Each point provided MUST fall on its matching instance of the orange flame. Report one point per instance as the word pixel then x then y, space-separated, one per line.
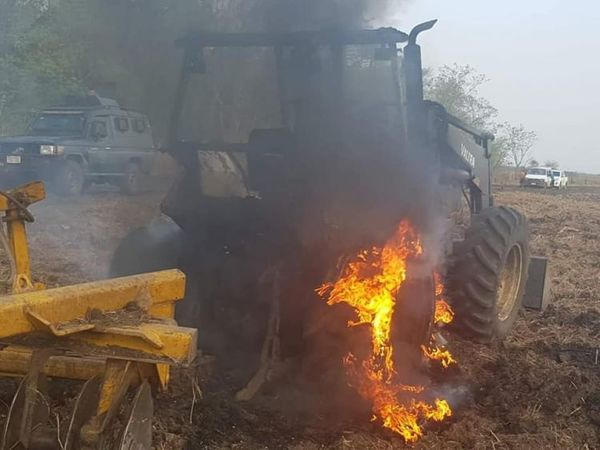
pixel 370 285
pixel 442 316
pixel 437 354
pixel 443 312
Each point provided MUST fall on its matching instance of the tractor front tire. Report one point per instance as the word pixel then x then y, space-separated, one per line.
pixel 487 277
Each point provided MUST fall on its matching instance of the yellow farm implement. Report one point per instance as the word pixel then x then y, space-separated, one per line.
pixel 119 335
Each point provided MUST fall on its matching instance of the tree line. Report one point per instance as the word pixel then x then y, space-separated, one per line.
pixel 457 87
pixel 53 48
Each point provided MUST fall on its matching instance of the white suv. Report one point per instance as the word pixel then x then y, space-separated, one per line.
pixel 560 178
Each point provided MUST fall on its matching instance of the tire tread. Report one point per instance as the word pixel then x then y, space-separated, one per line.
pixel 474 275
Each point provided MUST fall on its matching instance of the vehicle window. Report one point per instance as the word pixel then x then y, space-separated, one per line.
pixel 368 78
pixel 537 172
pixel 121 124
pixel 139 125
pixel 98 130
pixel 58 125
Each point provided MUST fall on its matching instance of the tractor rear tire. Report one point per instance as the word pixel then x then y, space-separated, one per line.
pixel 486 280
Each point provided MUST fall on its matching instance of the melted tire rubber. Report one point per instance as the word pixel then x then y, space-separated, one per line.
pixel 475 275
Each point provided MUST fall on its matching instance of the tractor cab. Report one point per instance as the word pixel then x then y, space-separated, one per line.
pixel 340 116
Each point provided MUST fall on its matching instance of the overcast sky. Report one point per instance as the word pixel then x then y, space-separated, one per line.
pixel 542 58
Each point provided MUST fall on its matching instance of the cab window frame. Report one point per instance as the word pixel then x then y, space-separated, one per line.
pixel 139 125
pixel 121 124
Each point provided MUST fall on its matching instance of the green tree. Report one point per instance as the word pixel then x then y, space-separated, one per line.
pixel 457 89
pixel 53 48
pixel 39 64
pixel 517 141
pixel 499 152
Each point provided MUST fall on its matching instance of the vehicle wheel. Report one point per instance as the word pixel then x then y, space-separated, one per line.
pixel 70 178
pixel 131 182
pixel 486 280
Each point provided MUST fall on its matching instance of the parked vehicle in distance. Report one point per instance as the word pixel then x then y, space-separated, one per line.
pixel 538 177
pixel 560 178
pixel 89 140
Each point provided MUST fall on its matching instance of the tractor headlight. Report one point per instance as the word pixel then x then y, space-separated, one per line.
pixel 51 149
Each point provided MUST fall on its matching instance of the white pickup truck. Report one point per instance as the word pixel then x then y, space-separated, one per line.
pixel 539 177
pixel 560 179
pixel 545 177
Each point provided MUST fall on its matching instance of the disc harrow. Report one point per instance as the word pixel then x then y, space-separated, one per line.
pixel 119 336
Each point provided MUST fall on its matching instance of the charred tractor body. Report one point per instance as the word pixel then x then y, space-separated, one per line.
pixel 90 139
pixel 353 151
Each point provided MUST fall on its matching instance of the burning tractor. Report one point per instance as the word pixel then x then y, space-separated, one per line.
pixel 335 232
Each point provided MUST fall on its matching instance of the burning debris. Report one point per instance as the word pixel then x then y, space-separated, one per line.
pixel 443 315
pixel 443 312
pixel 371 286
pixel 437 354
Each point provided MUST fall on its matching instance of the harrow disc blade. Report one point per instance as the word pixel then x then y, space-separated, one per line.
pixel 85 408
pixel 137 434
pixel 28 415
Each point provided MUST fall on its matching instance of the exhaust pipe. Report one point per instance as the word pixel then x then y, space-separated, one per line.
pixel 413 65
